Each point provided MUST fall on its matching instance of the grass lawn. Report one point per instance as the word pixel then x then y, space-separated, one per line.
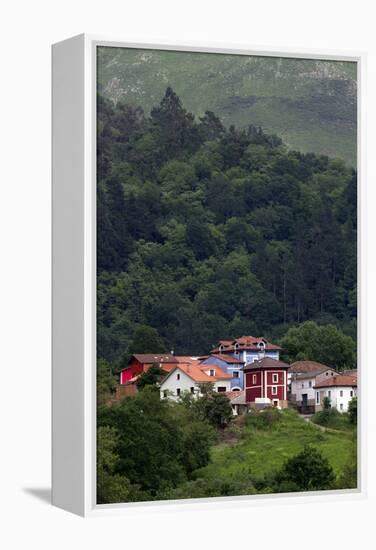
pixel 264 450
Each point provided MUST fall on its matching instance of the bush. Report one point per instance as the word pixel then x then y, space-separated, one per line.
pixel 353 411
pixel 261 420
pixel 309 470
pixel 204 488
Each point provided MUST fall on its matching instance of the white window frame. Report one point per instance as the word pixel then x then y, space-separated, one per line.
pixel 274 390
pixel 317 398
pixel 274 376
pixel 254 378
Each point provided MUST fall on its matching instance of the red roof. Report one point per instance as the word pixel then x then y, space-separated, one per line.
pixel 244 343
pixel 187 359
pixel 219 373
pixel 146 358
pixel 339 380
pixel 226 358
pixel 233 393
pixel 197 373
pixel 266 363
pixel 308 366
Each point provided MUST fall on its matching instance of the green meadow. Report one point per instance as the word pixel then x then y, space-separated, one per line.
pixel 259 451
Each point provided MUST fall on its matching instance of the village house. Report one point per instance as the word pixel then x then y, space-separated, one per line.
pixel 238 403
pixel 340 390
pixel 141 362
pixel 229 364
pixel 303 375
pixel 187 377
pixel 266 383
pixel 247 349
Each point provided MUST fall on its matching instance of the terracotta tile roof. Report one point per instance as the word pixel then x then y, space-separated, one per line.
pixel 339 380
pixel 313 374
pixel 239 398
pixel 219 373
pixel 233 394
pixel 225 358
pixel 197 374
pixel 350 372
pixel 244 343
pixel 266 363
pixel 187 359
pixel 307 366
pixel 155 358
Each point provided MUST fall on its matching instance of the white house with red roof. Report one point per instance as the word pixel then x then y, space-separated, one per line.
pixel 187 377
pixel 340 389
pixel 302 377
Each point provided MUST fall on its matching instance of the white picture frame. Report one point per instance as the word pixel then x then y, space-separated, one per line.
pixel 74 278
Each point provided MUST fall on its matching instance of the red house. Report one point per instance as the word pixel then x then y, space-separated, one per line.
pixel 141 362
pixel 265 383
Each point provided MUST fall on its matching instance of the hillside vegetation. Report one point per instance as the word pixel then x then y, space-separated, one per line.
pixel 311 104
pixel 207 232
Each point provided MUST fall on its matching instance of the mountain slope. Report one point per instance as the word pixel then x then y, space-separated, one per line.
pixel 311 104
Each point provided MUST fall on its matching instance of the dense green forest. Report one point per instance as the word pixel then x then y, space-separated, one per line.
pixel 207 232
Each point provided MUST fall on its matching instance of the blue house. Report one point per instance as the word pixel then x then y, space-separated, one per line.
pixel 233 355
pixel 231 365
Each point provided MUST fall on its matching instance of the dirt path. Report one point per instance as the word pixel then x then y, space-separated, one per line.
pixel 322 428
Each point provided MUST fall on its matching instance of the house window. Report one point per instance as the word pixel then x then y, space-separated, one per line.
pixel 165 393
pixel 329 393
pixel 317 398
pixel 302 384
pixel 310 384
pixel 178 391
pixel 254 379
pixel 274 390
pixel 275 378
pixel 178 376
pixel 235 374
pixel 211 372
pixel 222 388
pixel 341 393
pixel 192 390
pixel 351 393
pixel 341 407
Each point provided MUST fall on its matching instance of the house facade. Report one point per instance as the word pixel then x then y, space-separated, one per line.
pixel 141 362
pixel 340 389
pixel 231 365
pixel 303 375
pixel 188 377
pixel 247 349
pixel 265 383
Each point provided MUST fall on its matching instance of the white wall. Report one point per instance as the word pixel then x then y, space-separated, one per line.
pixel 305 385
pixel 336 399
pixel 185 383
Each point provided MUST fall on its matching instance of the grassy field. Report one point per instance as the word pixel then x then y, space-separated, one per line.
pixel 259 451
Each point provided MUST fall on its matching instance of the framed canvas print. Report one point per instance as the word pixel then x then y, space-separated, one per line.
pixel 206 325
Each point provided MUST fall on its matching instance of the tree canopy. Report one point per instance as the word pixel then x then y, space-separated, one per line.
pixel 207 232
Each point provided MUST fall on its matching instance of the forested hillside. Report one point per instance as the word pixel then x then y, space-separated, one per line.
pixel 207 232
pixel 310 103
